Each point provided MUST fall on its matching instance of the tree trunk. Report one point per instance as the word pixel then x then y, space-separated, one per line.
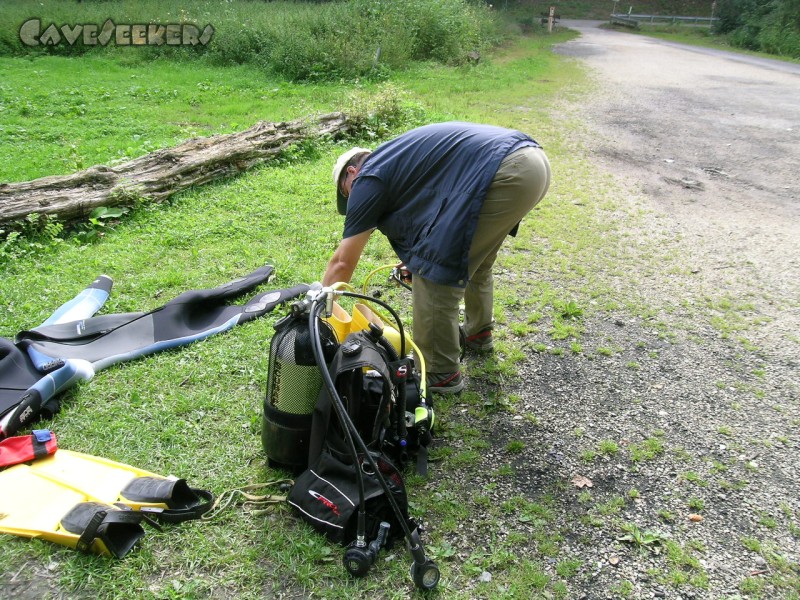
pixel 162 173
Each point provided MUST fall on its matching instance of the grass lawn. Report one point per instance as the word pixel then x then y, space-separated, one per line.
pixel 62 114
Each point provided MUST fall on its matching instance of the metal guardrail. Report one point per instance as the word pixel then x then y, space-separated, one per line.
pixel 624 20
pixel 634 20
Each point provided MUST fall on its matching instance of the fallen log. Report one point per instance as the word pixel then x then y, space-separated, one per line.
pixel 160 174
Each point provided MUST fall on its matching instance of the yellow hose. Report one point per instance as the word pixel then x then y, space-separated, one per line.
pixel 372 273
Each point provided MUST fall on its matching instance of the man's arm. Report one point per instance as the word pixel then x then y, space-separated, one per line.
pixel 345 259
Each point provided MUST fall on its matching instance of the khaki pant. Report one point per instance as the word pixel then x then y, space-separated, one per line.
pixel 520 183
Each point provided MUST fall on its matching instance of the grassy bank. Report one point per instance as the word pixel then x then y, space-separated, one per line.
pixel 702 36
pixel 60 117
pixel 295 40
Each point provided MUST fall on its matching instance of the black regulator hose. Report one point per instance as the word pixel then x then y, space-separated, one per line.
pixel 316 346
pixel 399 416
pixel 423 570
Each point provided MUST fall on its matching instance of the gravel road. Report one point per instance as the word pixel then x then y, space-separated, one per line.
pixel 667 467
pixel 712 140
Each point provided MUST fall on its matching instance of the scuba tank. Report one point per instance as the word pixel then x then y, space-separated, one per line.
pixel 293 385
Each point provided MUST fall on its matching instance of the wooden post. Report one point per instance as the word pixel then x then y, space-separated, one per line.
pixel 550 19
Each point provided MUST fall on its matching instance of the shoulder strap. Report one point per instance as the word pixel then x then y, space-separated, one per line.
pixel 346 369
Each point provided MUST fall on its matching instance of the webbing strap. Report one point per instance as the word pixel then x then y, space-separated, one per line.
pixel 345 361
pixel 179 515
pixel 108 517
pixel 24 448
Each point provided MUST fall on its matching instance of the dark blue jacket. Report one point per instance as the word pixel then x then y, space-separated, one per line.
pixel 424 191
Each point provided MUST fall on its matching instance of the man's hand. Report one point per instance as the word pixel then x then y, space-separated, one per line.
pixel 345 259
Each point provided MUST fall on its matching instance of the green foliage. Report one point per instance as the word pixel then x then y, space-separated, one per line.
pixel 32 236
pixel 608 447
pixel 648 449
pixel 300 41
pixel 515 446
pixel 100 219
pixel 569 310
pixel 772 27
pixel 568 568
pixel 697 504
pixel 562 330
pixel 377 112
pixel 650 540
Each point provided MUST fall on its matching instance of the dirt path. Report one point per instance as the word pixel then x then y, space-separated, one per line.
pixel 713 140
pixel 687 424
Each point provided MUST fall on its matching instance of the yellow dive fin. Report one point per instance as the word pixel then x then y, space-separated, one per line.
pixel 167 499
pixel 92 503
pixel 35 506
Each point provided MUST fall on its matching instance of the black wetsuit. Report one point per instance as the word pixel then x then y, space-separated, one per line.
pixel 72 345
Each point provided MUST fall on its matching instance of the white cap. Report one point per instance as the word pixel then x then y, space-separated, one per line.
pixel 341 201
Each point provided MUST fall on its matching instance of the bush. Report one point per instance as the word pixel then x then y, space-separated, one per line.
pixel 779 40
pixel 772 27
pixel 445 31
pixel 730 14
pixel 297 40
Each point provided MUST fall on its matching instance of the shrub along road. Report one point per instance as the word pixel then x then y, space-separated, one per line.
pixel 664 457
